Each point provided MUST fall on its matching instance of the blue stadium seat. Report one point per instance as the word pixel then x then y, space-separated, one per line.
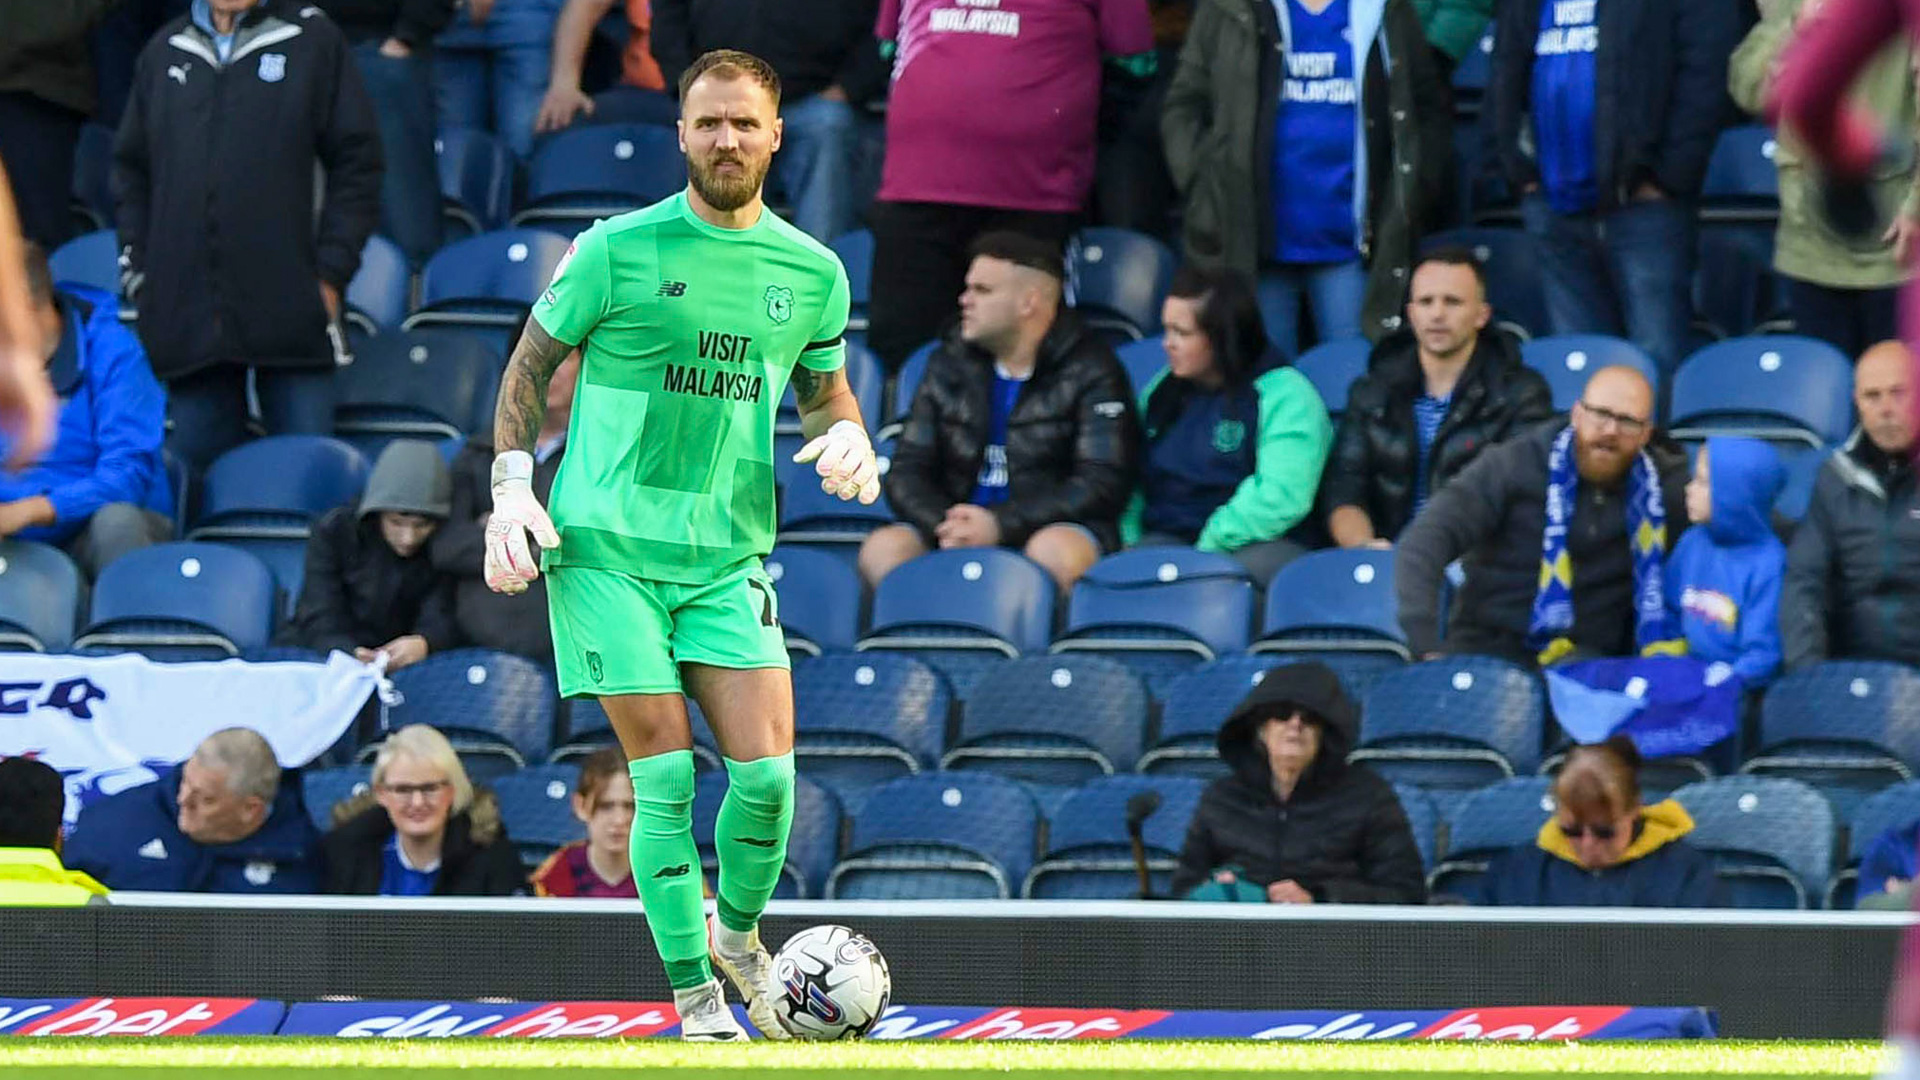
pixel 1733 284
pixel 496 708
pixel 381 289
pixel 1156 564
pixel 589 730
pixel 1782 388
pixel 1423 819
pixel 1567 361
pixel 1195 704
pixel 40 591
pixel 904 385
pixel 487 281
pixel 963 610
pixel 1117 279
pixel 865 378
pixel 1159 629
pixel 856 254
pixel 476 181
pixel 536 804
pixel 264 496
pixel 1513 275
pixel 429 383
pixel 1453 724
pixel 587 172
pixel 1088 854
pixel 93 176
pixel 186 601
pixel 92 260
pixel 939 836
pixel 863 719
pixel 1742 183
pixel 1802 471
pixel 1143 360
pixel 321 789
pixel 813 842
pixel 1895 807
pixel 1336 600
pixel 1848 727
pixel 1471 76
pixel 1060 720
pixel 1484 823
pixel 823 520
pixel 819 599
pixel 1331 367
pixel 1772 837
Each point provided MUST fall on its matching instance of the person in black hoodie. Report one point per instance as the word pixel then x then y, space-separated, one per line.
pixel 46 94
pixel 1294 818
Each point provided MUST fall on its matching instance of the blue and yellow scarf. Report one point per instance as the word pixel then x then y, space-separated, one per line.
pixel 1654 632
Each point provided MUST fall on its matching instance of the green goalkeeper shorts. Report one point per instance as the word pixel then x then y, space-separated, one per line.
pixel 614 633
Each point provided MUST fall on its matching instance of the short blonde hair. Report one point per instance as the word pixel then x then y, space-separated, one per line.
pixel 426 745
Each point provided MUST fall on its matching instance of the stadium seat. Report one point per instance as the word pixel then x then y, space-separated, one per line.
pixel 589 730
pixel 1058 720
pixel 813 842
pixel 40 589
pixel 93 176
pixel 1471 76
pixel 863 719
pixel 1742 183
pixel 819 599
pixel 963 610
pixel 183 601
pixel 264 496
pixel 1143 359
pixel 1423 819
pixel 1484 823
pixel 1847 727
pixel 1781 388
pixel 1159 629
pixel 487 281
pixel 1802 471
pixel 1336 600
pixel 1895 807
pixel 536 805
pixel 430 383
pixel 1089 855
pixel 824 521
pixel 1116 280
pixel 381 289
pixel 939 836
pixel 865 378
pixel 1195 704
pixel 1733 284
pixel 856 255
pixel 322 789
pixel 496 708
pixel 476 181
pixel 1453 724
pixel 92 260
pixel 1163 565
pixel 1567 361
pixel 1513 274
pixel 904 386
pixel 1331 367
pixel 1772 837
pixel 587 172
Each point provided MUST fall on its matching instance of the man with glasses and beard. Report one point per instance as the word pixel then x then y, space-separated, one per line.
pixel 690 316
pixel 1563 532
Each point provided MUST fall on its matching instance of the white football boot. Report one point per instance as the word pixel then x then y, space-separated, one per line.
pixel 704 1016
pixel 751 973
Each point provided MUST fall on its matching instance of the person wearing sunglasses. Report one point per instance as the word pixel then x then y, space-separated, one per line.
pixel 1602 847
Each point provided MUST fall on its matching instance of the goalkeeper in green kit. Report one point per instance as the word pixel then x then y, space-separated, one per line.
pixel 691 316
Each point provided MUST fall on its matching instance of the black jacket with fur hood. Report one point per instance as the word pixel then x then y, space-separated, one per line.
pixel 477 859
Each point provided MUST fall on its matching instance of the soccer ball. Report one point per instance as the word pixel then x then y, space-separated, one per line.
pixel 836 983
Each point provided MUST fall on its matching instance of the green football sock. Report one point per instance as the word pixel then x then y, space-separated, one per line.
pixel 666 865
pixel 751 837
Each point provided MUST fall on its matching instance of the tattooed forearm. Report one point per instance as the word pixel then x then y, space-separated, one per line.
pixel 824 397
pixel 523 389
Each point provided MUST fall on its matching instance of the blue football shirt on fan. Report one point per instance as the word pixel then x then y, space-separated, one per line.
pixel 991 485
pixel 1563 74
pixel 399 879
pixel 1314 139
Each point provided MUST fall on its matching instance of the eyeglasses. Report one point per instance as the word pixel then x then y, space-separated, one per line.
pixel 404 792
pixel 1598 832
pixel 1627 425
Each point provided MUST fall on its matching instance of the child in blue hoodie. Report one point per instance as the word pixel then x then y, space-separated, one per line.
pixel 1725 574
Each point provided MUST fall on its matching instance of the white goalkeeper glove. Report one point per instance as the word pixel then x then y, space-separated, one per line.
pixel 511 564
pixel 845 462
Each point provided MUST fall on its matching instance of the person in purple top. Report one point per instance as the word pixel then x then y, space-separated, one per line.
pixel 597 867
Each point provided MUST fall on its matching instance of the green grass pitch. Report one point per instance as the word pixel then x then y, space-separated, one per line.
pixel 481 1059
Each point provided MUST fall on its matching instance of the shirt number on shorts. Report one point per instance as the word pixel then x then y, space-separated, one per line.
pixel 766 602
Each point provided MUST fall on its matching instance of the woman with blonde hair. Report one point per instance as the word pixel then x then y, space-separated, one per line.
pixel 422 830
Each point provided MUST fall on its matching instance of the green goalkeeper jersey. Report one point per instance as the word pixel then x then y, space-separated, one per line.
pixel 688 334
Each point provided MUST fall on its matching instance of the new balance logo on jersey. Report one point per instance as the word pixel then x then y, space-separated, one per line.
pixel 755 843
pixel 672 871
pixel 672 288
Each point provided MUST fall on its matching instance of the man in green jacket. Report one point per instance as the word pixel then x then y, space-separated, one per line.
pixel 46 94
pixel 32 800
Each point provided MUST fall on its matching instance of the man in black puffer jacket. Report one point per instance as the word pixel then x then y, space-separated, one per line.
pixel 1294 818
pixel 1022 433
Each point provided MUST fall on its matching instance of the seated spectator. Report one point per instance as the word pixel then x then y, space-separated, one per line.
pixel 1887 869
pixel 102 490
pixel 1020 434
pixel 641 95
pixel 220 822
pixel 1564 530
pixel 370 586
pixel 515 623
pixel 1294 818
pixel 1853 570
pixel 1435 395
pixel 597 866
pixel 1727 570
pixel 431 834
pixel 1234 439
pixel 1603 848
pixel 32 801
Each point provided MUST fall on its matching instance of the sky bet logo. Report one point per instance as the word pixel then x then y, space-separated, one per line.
pixel 99 1017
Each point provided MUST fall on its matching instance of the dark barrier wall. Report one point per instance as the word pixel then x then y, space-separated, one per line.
pixel 1778 977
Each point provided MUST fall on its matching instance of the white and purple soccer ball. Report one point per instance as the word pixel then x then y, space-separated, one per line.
pixel 835 983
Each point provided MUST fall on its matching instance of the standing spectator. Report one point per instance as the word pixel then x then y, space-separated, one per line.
pixel 1853 570
pixel 830 70
pixel 641 95
pixel 393 46
pixel 226 820
pixel 1837 290
pixel 1434 397
pixel 1454 29
pixel 1729 567
pixel 1021 434
pixel 1132 188
pixel 46 93
pixel 102 490
pixel 32 800
pixel 991 127
pixel 1235 440
pixel 492 66
pixel 598 866
pixel 233 109
pixel 1293 818
pixel 27 405
pixel 1624 99
pixel 1311 139
pixel 370 587
pixel 423 830
pixel 1564 532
